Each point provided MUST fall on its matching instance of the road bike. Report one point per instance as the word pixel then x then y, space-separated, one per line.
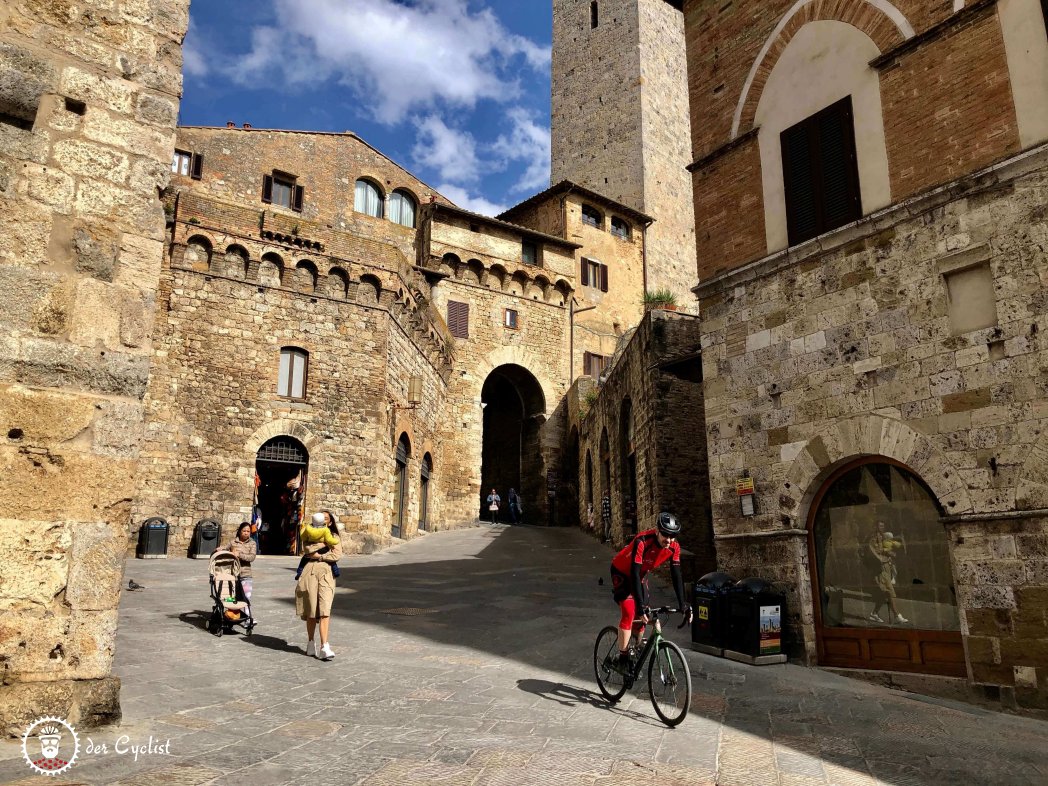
pixel 669 679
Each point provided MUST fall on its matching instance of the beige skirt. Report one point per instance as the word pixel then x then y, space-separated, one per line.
pixel 315 591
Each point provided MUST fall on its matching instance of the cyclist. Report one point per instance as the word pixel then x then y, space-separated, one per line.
pixel 629 569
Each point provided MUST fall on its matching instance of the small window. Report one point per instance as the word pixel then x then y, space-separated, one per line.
pixel 187 164
pixel 402 209
pixel 367 199
pixel 282 190
pixel 592 216
pixel 594 274
pixel 509 318
pixel 458 319
pixel 293 367
pixel 971 300
pixel 595 14
pixel 529 253
pixel 820 173
pixel 620 228
pixel 593 365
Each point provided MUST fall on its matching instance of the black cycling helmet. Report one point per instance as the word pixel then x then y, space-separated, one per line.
pixel 668 525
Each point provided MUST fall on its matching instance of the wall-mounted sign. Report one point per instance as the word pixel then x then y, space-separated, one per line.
pixel 744 486
pixel 745 489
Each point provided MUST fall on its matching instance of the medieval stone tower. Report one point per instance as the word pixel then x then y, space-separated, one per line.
pixel 620 121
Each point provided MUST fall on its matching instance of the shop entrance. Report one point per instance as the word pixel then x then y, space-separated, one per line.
pixel 514 411
pixel 883 586
pixel 281 467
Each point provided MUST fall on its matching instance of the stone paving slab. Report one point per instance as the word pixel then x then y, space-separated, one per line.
pixel 465 658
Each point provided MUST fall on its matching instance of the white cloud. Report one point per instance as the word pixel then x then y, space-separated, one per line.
pixel 193 62
pixel 464 199
pixel 529 143
pixel 450 152
pixel 395 57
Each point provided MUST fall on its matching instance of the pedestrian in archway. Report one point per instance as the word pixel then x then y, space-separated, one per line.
pixel 515 508
pixel 494 503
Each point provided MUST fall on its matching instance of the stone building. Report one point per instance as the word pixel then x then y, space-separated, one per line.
pixel 869 190
pixel 89 96
pixel 332 333
pixel 620 121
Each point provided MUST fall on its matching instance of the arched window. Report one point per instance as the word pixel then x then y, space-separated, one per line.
pixel 400 486
pixel 423 495
pixel 368 199
pixel 402 209
pixel 620 228
pixel 294 364
pixel 592 216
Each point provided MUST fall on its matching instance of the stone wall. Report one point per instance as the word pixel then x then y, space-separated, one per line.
pixel 659 373
pixel 88 104
pixel 843 347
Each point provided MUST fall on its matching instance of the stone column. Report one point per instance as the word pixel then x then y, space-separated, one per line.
pixel 88 104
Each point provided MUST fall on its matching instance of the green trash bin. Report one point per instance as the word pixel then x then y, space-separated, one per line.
pixel 152 539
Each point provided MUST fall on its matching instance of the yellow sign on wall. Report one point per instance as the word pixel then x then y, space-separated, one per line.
pixel 744 486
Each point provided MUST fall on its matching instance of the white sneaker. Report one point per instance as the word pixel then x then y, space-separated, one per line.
pixel 311 649
pixel 875 617
pixel 901 619
pixel 325 652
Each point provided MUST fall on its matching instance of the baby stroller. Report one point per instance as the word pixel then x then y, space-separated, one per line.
pixel 232 608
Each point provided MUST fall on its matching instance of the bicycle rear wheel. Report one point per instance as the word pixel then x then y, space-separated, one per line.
pixel 605 654
pixel 669 683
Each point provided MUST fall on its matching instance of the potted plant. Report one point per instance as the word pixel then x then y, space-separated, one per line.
pixel 661 298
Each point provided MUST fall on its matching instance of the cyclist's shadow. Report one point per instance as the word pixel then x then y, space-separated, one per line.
pixel 569 696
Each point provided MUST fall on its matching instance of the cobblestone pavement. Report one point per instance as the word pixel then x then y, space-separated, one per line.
pixel 465 658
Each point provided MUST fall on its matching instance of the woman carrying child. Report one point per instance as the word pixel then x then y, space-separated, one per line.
pixel 315 590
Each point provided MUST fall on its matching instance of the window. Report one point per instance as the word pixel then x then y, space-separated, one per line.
pixel 402 209
pixel 594 274
pixel 594 14
pixel 529 253
pixel 292 380
pixel 970 298
pixel 367 199
pixel 593 365
pixel 820 174
pixel 592 216
pixel 281 189
pixel 458 319
pixel 187 164
pixel 620 228
pixel 509 319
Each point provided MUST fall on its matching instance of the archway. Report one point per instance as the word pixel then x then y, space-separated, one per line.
pixel 882 583
pixel 423 492
pixel 400 486
pixel 629 467
pixel 281 469
pixel 514 411
pixel 568 498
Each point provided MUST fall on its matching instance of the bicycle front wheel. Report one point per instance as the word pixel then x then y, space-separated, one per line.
pixel 605 655
pixel 669 683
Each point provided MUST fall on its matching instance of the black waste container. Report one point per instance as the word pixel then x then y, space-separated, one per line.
pixel 753 624
pixel 152 539
pixel 206 538
pixel 708 603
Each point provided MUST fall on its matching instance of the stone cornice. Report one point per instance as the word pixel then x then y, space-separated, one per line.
pixel 723 150
pixel 967 15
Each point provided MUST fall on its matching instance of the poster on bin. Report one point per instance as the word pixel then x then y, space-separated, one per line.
pixel 771 630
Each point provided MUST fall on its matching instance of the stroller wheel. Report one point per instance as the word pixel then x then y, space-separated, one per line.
pixel 213 624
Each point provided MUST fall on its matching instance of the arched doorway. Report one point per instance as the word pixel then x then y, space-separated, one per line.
pixel 423 492
pixel 629 467
pixel 281 469
pixel 569 496
pixel 511 457
pixel 883 587
pixel 400 486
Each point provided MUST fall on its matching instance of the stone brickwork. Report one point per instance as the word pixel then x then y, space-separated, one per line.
pixel 659 374
pixel 620 121
pixel 844 348
pixel 88 102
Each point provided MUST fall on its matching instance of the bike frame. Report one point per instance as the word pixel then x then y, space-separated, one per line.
pixel 653 641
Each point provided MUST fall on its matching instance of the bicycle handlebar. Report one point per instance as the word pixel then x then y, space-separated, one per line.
pixel 654 614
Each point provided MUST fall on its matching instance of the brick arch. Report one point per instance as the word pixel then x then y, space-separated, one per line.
pixel 868 435
pixel 528 360
pixel 885 24
pixel 1031 492
pixel 281 428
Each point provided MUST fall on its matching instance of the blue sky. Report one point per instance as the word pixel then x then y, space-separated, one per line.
pixel 457 91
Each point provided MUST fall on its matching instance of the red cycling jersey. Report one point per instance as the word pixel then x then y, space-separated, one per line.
pixel 644 550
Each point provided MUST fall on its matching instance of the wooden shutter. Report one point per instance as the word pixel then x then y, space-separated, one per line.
pixel 840 177
pixel 585 269
pixel 267 188
pixel 458 319
pixel 603 278
pixel 196 168
pixel 798 183
pixel 296 198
